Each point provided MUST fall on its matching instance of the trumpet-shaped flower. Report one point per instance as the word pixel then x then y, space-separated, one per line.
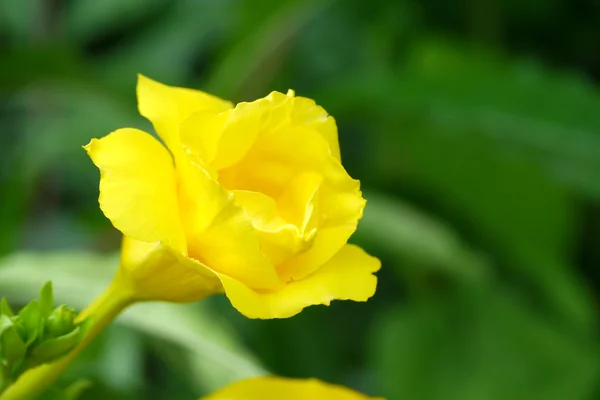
pixel 251 200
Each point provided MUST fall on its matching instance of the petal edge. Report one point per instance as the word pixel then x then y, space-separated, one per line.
pixel 348 275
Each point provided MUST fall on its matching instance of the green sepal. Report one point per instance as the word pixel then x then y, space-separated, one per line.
pixel 46 300
pixel 51 349
pixel 12 347
pixel 19 327
pixel 31 321
pixel 46 305
pixel 5 308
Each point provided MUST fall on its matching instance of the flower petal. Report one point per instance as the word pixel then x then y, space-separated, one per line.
pixel 299 201
pixel 219 233
pixel 346 276
pixel 340 213
pixel 292 153
pixel 138 189
pixel 240 131
pixel 272 387
pixel 285 154
pixel 326 244
pixel 307 113
pixel 200 133
pixel 155 272
pixel 168 106
pixel 279 239
pixel 221 139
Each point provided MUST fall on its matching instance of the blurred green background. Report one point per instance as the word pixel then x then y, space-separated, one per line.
pixel 474 127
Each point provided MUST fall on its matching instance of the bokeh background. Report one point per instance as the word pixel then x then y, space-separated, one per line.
pixel 474 127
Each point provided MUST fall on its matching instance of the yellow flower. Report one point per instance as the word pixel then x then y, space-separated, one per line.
pixel 251 200
pixel 275 388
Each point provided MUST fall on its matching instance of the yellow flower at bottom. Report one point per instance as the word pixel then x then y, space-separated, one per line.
pixel 250 200
pixel 275 388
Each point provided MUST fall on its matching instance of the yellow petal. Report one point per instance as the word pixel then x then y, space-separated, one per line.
pixel 138 189
pixel 307 113
pixel 326 244
pixel 292 153
pixel 240 131
pixel 286 109
pixel 200 133
pixel 222 138
pixel 168 106
pixel 276 388
pixel 340 212
pixel 280 111
pixel 346 276
pixel 219 233
pixel 285 154
pixel 299 201
pixel 280 239
pixel 155 272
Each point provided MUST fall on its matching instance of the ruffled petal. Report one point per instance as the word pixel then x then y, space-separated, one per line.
pixel 155 272
pixel 200 134
pixel 219 233
pixel 288 155
pixel 299 201
pixel 340 213
pixel 326 244
pixel 285 154
pixel 221 139
pixel 279 239
pixel 346 276
pixel 168 106
pixel 138 189
pixel 306 112
pixel 272 387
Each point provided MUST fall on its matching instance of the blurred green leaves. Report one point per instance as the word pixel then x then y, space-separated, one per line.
pixel 480 344
pixel 268 30
pixel 391 225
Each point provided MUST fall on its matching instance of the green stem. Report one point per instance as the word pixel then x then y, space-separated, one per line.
pixel 103 310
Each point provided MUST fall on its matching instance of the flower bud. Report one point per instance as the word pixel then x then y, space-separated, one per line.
pixel 37 334
pixel 60 322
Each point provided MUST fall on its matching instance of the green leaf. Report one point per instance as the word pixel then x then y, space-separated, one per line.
pixel 19 17
pixel 46 300
pixel 72 392
pixel 520 106
pixel 85 19
pixel 207 340
pixel 5 308
pixel 258 46
pixel 490 152
pixel 76 389
pixel 182 32
pixel 483 344
pixel 391 225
